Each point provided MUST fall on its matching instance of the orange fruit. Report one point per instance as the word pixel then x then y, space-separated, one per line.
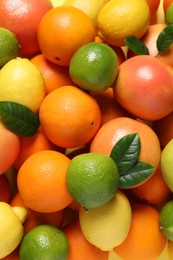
pixel 9 148
pixel 69 117
pixel 154 191
pixel 86 250
pixel 113 130
pixel 108 106
pixel 54 76
pixel 41 181
pixel 32 144
pixel 144 240
pixel 148 95
pixel 62 31
pixel 5 189
pixel 153 6
pixel 22 17
pixel 164 129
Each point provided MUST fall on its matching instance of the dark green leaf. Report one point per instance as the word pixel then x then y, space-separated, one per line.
pixel 18 118
pixel 126 151
pixel 137 174
pixel 136 46
pixel 165 38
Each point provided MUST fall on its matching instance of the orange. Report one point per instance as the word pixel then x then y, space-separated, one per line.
pixel 145 240
pixel 23 17
pixel 166 4
pixel 35 218
pixel 79 247
pixel 62 31
pixel 32 144
pixel 9 148
pixel 41 181
pixel 164 129
pixel 54 76
pixel 69 117
pixel 108 106
pixel 147 95
pixel 153 6
pixel 154 191
pixel 5 189
pixel 113 130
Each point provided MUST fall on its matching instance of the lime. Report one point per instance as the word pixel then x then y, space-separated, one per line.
pixel 9 46
pixel 92 179
pixel 166 220
pixel 94 67
pixel 44 242
pixel 169 14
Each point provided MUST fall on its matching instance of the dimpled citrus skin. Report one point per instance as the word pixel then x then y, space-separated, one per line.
pixel 119 19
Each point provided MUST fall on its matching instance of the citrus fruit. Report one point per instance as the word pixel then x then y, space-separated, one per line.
pixel 22 17
pixel 166 219
pixel 91 8
pixel 119 19
pixel 111 132
pixel 92 179
pixel 107 226
pixel 62 31
pixel 22 82
pixel 54 76
pixel 44 242
pixel 148 94
pixel 94 67
pixel 168 14
pixel 42 181
pixel 57 2
pixel 166 4
pixel 11 227
pixel 86 250
pixel 5 189
pixel 69 117
pixel 8 153
pixel 167 164
pixel 144 240
pixel 9 46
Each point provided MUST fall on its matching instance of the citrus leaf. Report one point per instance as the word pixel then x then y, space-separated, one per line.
pixel 136 46
pixel 126 151
pixel 18 118
pixel 165 38
pixel 137 174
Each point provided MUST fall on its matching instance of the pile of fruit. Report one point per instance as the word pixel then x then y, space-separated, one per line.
pixel 86 126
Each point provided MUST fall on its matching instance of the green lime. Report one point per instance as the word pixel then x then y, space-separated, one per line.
pixel 166 220
pixel 9 46
pixel 169 14
pixel 92 179
pixel 44 242
pixel 94 67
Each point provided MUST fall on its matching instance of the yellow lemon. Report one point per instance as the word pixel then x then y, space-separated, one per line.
pixel 22 82
pixel 119 19
pixel 56 3
pixel 11 228
pixel 90 7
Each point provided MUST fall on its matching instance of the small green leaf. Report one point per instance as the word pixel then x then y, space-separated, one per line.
pixel 165 38
pixel 169 14
pixel 136 46
pixel 126 151
pixel 137 174
pixel 18 118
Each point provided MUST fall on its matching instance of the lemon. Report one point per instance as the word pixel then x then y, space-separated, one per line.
pixel 107 226
pixel 92 179
pixel 166 220
pixel 56 3
pixel 9 46
pixel 11 228
pixel 22 82
pixel 119 19
pixel 44 242
pixel 90 7
pixel 94 67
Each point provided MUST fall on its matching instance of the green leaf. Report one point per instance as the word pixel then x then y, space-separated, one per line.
pixel 126 151
pixel 18 118
pixel 137 174
pixel 136 46
pixel 165 38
